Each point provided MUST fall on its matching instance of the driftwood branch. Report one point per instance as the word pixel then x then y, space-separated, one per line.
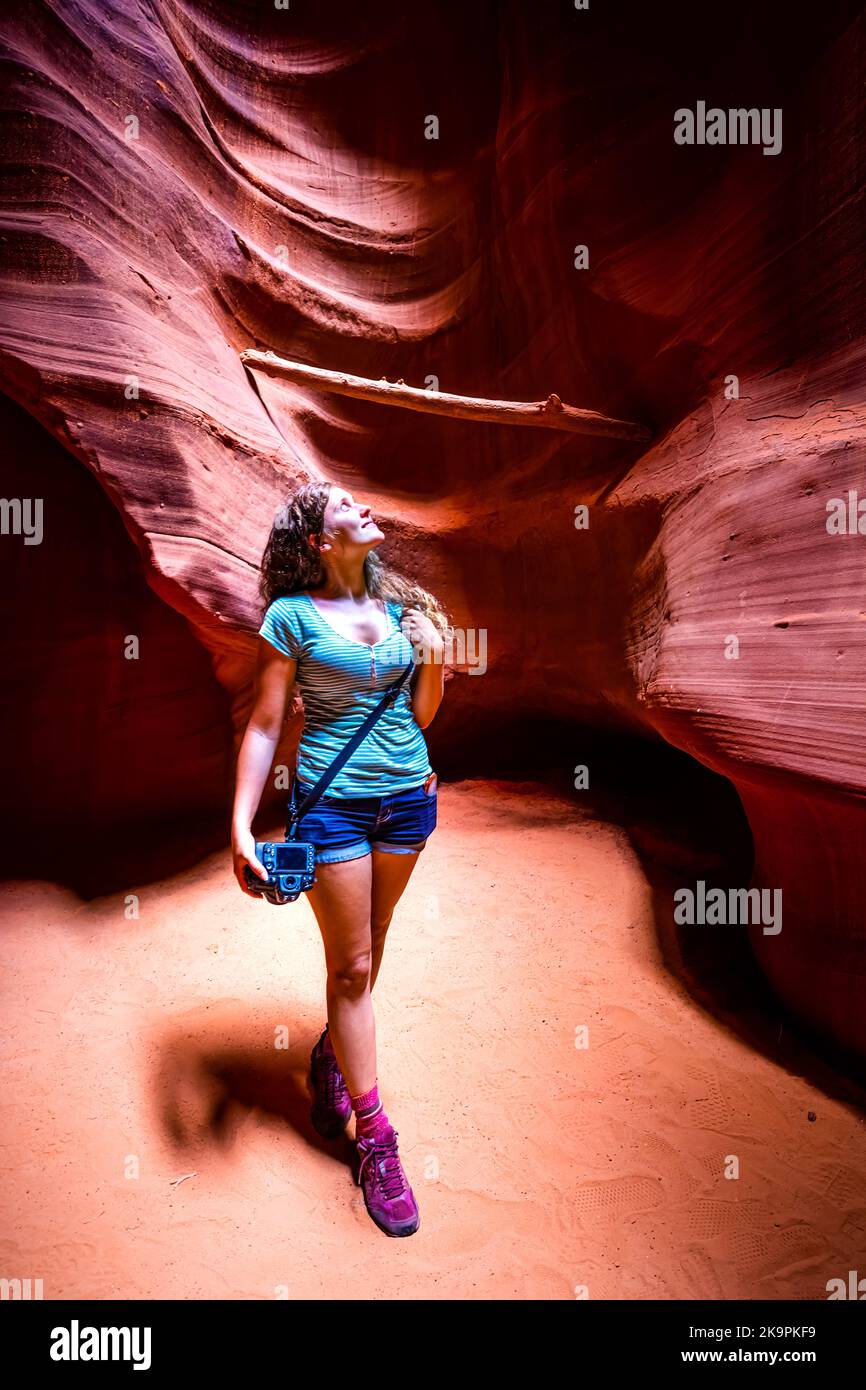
pixel 549 414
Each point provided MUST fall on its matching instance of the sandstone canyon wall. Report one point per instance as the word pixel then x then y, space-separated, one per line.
pixel 183 181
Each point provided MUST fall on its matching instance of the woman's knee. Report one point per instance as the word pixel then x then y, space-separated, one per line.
pixel 351 978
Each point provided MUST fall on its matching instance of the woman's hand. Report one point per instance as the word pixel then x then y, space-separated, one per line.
pixel 243 853
pixel 423 634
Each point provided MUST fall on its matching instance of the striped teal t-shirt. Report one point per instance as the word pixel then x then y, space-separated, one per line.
pixel 341 681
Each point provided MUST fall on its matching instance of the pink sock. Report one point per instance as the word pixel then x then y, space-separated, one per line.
pixel 370 1117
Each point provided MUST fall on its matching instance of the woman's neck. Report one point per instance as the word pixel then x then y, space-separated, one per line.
pixel 344 583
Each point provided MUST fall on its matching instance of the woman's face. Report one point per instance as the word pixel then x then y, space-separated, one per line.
pixel 349 524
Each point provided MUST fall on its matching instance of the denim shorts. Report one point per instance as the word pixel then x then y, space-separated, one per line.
pixel 348 827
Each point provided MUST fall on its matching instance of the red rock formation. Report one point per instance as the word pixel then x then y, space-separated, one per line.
pixel 188 180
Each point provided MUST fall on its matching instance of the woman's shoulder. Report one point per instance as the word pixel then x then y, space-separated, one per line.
pixel 286 603
pixel 284 624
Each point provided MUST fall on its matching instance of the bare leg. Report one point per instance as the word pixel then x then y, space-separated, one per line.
pixel 341 902
pixel 391 873
pixel 353 903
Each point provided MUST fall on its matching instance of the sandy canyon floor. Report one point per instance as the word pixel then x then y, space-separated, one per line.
pixel 156 1138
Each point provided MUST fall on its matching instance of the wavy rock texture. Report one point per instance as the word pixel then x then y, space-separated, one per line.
pixel 183 181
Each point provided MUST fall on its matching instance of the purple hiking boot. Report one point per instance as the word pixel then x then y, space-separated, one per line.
pixel 387 1195
pixel 332 1106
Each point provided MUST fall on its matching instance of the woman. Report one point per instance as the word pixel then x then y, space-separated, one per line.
pixel 344 626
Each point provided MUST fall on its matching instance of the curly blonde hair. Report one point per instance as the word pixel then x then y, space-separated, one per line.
pixel 291 564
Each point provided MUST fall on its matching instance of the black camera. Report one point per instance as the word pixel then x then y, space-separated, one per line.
pixel 291 866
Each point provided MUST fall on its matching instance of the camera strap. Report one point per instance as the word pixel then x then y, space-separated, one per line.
pixel 296 812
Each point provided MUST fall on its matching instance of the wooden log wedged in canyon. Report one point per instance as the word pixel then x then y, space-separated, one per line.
pixel 549 414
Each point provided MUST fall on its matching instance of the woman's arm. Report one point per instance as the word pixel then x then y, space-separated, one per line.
pixel 275 679
pixel 428 691
pixel 428 682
